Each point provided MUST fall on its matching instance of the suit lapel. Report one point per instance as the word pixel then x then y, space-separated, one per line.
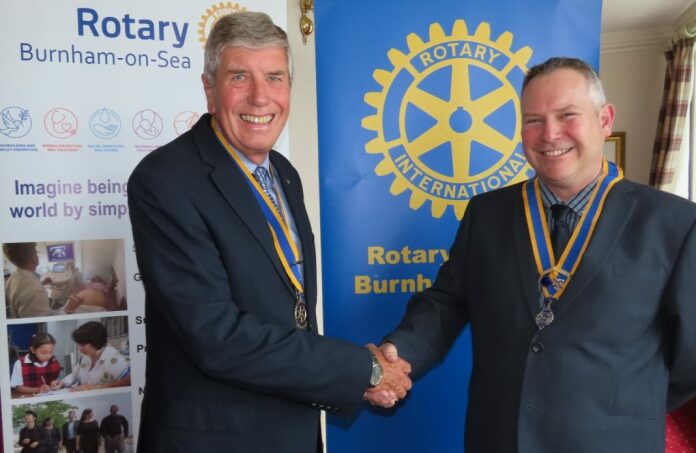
pixel 618 209
pixel 524 256
pixel 234 188
pixel 293 194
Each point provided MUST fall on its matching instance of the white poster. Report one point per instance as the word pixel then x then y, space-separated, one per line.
pixel 89 88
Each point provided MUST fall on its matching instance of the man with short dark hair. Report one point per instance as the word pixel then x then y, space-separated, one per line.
pixel 32 437
pixel 235 362
pixel 70 433
pixel 52 436
pixel 578 285
pixel 114 430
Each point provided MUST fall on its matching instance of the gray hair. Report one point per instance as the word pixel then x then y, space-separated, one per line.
pixel 250 29
pixel 594 83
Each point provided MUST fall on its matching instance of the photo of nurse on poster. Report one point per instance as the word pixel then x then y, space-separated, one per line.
pixel 62 278
pixel 68 356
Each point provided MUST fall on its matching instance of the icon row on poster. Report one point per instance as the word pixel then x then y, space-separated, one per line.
pixel 64 278
pixel 103 422
pixel 105 124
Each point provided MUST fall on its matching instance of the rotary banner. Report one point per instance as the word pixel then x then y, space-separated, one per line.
pixel 89 89
pixel 419 111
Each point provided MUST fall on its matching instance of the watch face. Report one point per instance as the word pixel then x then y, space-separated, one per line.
pixel 376 377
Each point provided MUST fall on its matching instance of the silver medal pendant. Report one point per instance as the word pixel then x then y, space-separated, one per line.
pixel 300 312
pixel 545 316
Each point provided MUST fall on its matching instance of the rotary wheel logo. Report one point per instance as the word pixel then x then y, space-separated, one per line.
pixel 447 118
pixel 212 15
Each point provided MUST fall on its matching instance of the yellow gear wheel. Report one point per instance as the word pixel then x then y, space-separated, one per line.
pixel 431 117
pixel 211 16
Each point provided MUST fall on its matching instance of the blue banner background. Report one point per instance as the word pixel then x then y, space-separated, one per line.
pixel 358 211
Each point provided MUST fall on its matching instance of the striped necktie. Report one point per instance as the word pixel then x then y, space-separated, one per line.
pixel 264 179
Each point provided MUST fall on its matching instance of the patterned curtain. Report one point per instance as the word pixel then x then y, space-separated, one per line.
pixel 673 113
pixel 681 423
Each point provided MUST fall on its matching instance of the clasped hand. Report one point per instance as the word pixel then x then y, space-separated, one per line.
pixel 395 381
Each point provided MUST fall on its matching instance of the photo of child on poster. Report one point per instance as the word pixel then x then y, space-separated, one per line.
pixel 68 356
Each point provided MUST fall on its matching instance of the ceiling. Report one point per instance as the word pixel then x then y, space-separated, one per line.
pixel 630 15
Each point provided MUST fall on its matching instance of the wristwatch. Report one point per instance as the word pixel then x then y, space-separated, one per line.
pixel 377 372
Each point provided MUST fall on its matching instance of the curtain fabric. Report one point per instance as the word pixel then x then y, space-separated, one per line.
pixel 673 112
pixel 681 429
pixel 681 423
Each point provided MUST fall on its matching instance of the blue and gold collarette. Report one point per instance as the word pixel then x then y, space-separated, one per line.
pixel 555 274
pixel 285 247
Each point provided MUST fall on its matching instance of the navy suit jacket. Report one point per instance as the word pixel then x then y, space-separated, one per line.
pixel 227 370
pixel 622 347
pixel 66 430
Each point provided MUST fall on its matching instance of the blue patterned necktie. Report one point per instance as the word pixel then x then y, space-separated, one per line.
pixel 264 179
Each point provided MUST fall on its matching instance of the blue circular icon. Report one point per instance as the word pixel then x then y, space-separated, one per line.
pixel 105 123
pixel 15 122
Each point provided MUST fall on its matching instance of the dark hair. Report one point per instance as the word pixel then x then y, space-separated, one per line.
pixel 39 340
pixel 92 333
pixel 85 413
pixel 19 253
pixel 46 420
pixel 594 83
pixel 31 412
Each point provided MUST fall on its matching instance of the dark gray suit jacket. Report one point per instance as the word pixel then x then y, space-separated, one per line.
pixel 621 351
pixel 227 371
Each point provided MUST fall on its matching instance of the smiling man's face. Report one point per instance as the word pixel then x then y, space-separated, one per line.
pixel 250 98
pixel 563 131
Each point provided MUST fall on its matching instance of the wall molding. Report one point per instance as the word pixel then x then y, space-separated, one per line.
pixel 621 41
pixel 659 37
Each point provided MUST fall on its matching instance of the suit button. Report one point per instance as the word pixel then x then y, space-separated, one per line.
pixel 537 347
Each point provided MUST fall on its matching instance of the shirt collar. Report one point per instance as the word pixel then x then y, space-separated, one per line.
pixel 577 203
pixel 249 164
pixel 27 359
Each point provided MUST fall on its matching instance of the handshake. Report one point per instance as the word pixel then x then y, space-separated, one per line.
pixel 394 383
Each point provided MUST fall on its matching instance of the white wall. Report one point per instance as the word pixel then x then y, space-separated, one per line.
pixel 304 151
pixel 632 68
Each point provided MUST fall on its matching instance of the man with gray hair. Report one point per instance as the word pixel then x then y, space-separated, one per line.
pixel 578 285
pixel 226 252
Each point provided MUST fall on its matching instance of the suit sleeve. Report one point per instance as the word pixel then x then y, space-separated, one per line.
pixel 186 281
pixel 435 317
pixel 680 297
